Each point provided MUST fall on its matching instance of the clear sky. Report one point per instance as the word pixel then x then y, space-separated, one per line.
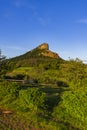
pixel 25 24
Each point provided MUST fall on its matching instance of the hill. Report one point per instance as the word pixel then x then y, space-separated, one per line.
pixel 36 56
pixel 43 91
pixel 40 51
pixel 37 59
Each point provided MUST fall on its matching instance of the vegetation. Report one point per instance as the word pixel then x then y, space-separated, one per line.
pixel 2 57
pixel 43 93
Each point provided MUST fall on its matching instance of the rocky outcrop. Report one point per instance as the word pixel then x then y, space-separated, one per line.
pixel 44 46
pixel 47 52
pixel 50 54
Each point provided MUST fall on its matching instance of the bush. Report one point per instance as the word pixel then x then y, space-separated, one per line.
pixel 33 98
pixel 8 88
pixel 73 108
pixel 62 84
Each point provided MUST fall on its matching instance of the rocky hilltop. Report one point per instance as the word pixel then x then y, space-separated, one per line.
pixel 44 46
pixel 39 55
pixel 41 51
pixel 46 51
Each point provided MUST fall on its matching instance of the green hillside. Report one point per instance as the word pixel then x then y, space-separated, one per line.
pixel 34 57
pixel 43 92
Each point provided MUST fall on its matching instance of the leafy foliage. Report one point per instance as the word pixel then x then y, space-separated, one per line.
pixel 73 108
pixel 7 88
pixel 33 98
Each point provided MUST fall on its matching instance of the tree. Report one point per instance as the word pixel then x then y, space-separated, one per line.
pixel 73 71
pixel 2 57
pixel 3 65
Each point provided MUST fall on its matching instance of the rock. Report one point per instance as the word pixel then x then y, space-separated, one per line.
pixel 7 112
pixel 44 46
pixel 50 54
pixel 46 51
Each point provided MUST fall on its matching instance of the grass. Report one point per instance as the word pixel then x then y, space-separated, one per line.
pixel 66 109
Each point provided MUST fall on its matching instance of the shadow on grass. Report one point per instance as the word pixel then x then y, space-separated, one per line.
pixel 53 96
pixel 53 93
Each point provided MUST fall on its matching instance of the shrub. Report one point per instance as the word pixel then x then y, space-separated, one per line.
pixel 73 108
pixel 8 88
pixel 62 84
pixel 33 98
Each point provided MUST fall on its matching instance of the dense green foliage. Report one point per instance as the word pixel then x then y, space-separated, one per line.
pixel 33 98
pixel 7 88
pixel 73 109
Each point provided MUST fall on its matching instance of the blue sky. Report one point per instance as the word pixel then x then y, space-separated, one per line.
pixel 25 24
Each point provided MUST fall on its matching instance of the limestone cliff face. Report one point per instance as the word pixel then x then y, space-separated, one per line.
pixel 50 54
pixel 47 52
pixel 44 46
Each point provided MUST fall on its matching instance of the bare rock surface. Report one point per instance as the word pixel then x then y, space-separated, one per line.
pixel 47 52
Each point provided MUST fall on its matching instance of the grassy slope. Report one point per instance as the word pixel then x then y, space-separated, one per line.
pixel 65 88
